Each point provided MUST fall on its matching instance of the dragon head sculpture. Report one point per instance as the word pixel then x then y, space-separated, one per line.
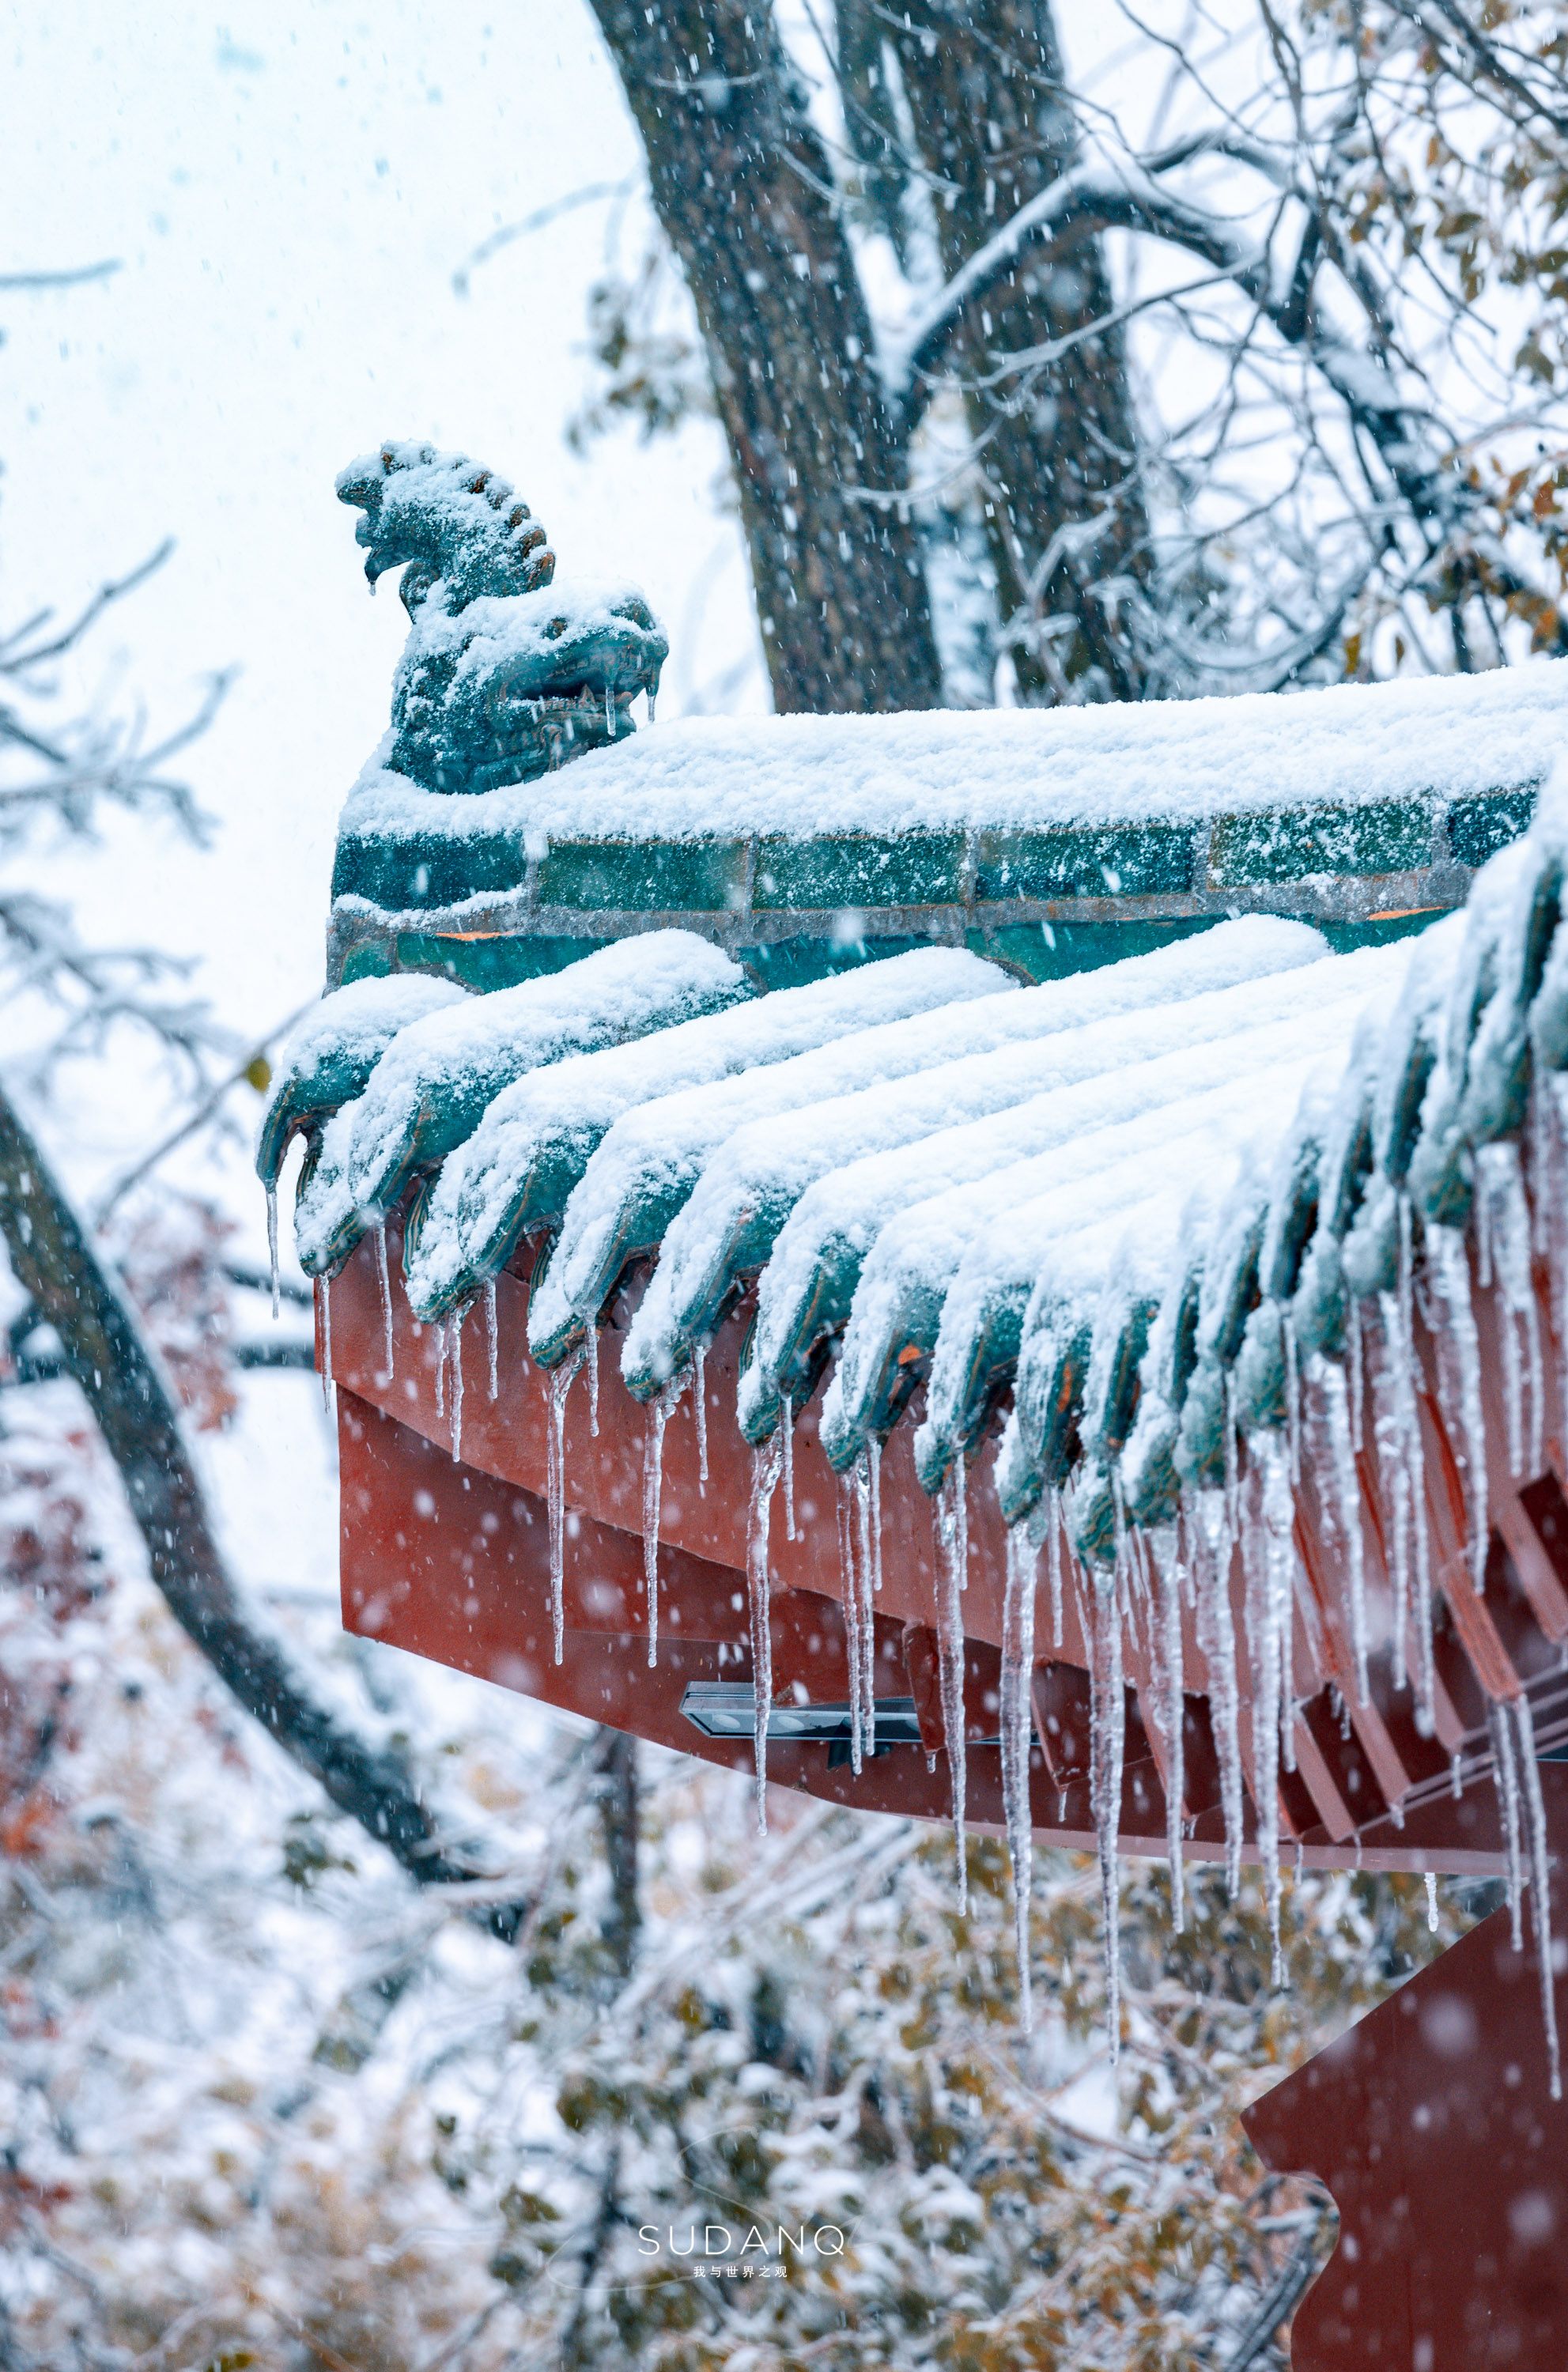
pixel 506 675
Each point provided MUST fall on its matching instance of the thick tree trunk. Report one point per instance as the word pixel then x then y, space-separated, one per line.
pixel 621 1817
pixel 57 1267
pixel 744 191
pixel 983 82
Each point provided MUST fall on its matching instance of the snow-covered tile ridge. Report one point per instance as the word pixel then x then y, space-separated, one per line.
pixel 527 1151
pixel 437 1074
pixel 1441 737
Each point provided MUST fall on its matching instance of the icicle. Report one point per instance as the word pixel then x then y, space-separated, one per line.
pixel 1505 1235
pixel 786 1434
pixel 1262 1559
pixel 651 698
pixel 1108 1729
pixel 659 1407
pixel 873 1471
pixel 1293 1393
pixel 1457 1776
pixel 1168 1569
pixel 327 1343
pixel 1451 1271
pixel 590 1344
pixel 1414 1462
pixel 700 1411
pixel 950 1659
pixel 1017 1668
pixel 555 1493
pixel 384 1274
pixel 765 1462
pixel 1507 1783
pixel 454 1327
pixel 609 712
pixel 850 1576
pixel 961 1518
pixel 1053 1559
pixel 1540 1886
pixel 1431 1903
pixel 493 1338
pixel 1216 1636
pixel 1389 1427
pixel 1278 1514
pixel 866 1678
pixel 1357 1377
pixel 273 1247
pixel 441 1369
pixel 1329 1378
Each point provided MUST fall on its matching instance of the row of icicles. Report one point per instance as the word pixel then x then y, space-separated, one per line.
pixel 1157 1571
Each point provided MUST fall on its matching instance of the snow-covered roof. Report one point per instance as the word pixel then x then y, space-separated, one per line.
pixel 1334 803
pixel 1128 1201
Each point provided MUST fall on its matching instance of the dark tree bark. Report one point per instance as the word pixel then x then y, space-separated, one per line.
pixel 619 1816
pixel 984 84
pixel 744 191
pixel 104 1350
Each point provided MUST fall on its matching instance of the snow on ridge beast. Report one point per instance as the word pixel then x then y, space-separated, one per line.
pixel 505 674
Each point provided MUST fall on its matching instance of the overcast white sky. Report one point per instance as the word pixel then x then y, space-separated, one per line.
pixel 290 193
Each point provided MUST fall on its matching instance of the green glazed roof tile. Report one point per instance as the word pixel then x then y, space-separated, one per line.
pixel 1129 860
pixel 693 877
pixel 1385 836
pixel 1479 827
pixel 916 869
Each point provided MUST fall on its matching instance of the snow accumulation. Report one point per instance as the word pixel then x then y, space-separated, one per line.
pixel 535 1139
pixel 441 1070
pixel 1444 736
pixel 332 1053
pixel 748 1187
pixel 656 1155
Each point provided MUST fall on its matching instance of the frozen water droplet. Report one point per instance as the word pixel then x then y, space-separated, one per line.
pixel 1017 1670
pixel 455 1334
pixel 1540 1886
pixel 384 1278
pixel 555 1493
pixel 1449 1269
pixel 660 1409
pixel 1108 1731
pixel 766 1460
pixel 1507 1780
pixel 950 1654
pixel 786 1437
pixel 325 1286
pixel 1343 1501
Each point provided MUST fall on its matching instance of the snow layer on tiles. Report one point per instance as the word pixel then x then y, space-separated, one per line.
pixel 907 1008
pixel 1015 1267
pixel 438 1073
pixel 981 1174
pixel 332 1053
pixel 652 1159
pixel 758 1175
pixel 998 769
pixel 534 1140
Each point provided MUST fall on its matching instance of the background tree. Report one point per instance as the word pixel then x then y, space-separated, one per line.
pixel 1230 359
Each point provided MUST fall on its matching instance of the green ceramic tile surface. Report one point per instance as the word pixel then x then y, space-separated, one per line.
pixel 1133 861
pixel 914 868
pixel 701 877
pixel 1385 836
pixel 1053 950
pixel 1478 828
pixel 400 875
